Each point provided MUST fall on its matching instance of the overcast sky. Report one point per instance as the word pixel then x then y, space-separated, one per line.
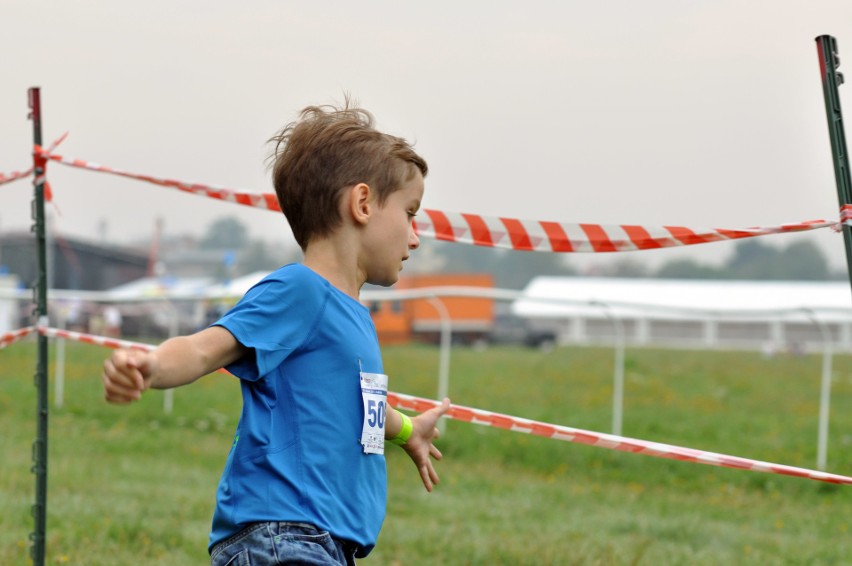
pixel 692 113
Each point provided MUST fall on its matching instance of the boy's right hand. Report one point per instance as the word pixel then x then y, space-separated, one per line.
pixel 126 375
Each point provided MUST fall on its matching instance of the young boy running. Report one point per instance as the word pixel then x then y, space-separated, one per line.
pixel 305 480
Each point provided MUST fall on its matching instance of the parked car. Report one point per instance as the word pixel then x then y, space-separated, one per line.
pixel 510 329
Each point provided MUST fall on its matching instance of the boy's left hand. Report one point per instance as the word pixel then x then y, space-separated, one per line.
pixel 420 447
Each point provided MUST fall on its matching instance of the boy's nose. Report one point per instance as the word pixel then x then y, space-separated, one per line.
pixel 413 239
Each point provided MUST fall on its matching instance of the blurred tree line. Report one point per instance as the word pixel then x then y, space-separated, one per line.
pixel 752 258
pixel 228 233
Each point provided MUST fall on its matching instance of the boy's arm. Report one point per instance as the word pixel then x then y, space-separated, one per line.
pixel 419 446
pixel 177 361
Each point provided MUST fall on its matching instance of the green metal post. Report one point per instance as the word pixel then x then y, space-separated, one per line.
pixel 829 61
pixel 37 550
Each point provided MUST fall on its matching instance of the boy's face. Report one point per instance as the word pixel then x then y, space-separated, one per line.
pixel 390 233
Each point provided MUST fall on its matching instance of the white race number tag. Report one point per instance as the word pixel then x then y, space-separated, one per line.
pixel 374 393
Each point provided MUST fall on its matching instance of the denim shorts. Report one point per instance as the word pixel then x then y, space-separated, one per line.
pixel 273 543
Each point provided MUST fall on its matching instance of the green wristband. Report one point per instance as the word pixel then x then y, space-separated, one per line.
pixel 405 432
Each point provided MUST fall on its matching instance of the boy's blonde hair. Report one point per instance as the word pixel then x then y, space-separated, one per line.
pixel 328 150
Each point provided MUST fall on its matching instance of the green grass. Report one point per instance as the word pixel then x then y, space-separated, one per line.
pixel 132 485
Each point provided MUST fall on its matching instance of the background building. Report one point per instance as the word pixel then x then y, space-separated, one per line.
pixel 72 263
pixel 769 315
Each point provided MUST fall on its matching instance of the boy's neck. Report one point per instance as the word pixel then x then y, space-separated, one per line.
pixel 336 264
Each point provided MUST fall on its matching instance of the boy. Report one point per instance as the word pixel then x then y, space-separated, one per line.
pixel 305 481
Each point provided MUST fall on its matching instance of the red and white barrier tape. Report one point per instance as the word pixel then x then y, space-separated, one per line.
pixel 507 233
pixel 610 441
pixel 92 339
pixel 512 233
pixel 113 343
pixel 515 424
pixel 266 201
pixel 8 338
pixel 14 176
pixel 41 156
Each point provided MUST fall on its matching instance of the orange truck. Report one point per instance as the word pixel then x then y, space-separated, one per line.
pixel 403 321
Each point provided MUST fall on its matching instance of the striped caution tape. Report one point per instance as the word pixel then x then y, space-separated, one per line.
pixel 846 214
pixel 113 343
pixel 14 176
pixel 92 339
pixel 515 424
pixel 9 338
pixel 610 441
pixel 41 156
pixel 265 201
pixel 506 233
pixel 512 233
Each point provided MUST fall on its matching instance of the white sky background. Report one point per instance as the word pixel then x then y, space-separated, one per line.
pixel 692 113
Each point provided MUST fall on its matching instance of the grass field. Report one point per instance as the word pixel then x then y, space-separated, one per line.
pixel 131 485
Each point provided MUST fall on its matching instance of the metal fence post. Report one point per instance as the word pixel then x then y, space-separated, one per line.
pixel 824 392
pixel 38 536
pixel 618 368
pixel 444 360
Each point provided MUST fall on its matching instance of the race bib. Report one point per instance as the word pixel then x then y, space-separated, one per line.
pixel 374 394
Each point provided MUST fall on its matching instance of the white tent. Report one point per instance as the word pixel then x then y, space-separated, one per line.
pixel 160 287
pixel 766 314
pixel 561 297
pixel 235 288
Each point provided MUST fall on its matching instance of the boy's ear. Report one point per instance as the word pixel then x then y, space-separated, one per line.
pixel 360 203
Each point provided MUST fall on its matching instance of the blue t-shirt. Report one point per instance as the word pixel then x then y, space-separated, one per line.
pixel 297 454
